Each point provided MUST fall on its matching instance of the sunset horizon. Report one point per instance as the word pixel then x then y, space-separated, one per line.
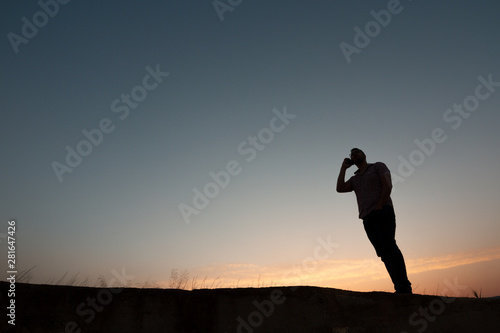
pixel 446 275
pixel 234 144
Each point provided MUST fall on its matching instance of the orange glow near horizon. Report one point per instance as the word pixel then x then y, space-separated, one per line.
pixel 426 274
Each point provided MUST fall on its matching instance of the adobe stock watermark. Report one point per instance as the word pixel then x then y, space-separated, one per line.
pixel 30 28
pixel 420 320
pixel 454 117
pixel 266 308
pixel 11 270
pixel 89 308
pixel 121 106
pixel 373 28
pixel 222 6
pixel 249 147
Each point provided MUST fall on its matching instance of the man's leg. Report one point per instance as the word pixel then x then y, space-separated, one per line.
pixel 380 227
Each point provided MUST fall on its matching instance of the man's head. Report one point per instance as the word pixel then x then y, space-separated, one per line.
pixel 357 155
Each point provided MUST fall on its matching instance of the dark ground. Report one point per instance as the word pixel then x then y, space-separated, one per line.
pixel 47 308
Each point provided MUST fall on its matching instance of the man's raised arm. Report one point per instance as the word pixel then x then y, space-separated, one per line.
pixel 342 186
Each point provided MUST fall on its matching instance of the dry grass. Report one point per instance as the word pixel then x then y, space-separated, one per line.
pixel 178 280
pixel 477 294
pixel 25 275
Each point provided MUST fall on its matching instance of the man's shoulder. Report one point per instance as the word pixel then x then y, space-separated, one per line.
pixel 381 167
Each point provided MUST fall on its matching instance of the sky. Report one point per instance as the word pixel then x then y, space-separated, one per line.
pixel 207 137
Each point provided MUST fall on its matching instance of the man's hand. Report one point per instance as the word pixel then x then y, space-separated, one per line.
pixel 346 164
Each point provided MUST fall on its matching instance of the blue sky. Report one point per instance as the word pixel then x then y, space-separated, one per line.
pixel 119 207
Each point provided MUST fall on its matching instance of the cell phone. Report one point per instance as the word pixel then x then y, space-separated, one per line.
pixel 349 161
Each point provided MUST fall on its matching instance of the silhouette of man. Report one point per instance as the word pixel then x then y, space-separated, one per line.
pixel 372 185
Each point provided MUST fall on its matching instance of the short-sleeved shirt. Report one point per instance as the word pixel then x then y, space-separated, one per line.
pixel 368 187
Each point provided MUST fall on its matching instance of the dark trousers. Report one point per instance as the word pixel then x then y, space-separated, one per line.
pixel 380 227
